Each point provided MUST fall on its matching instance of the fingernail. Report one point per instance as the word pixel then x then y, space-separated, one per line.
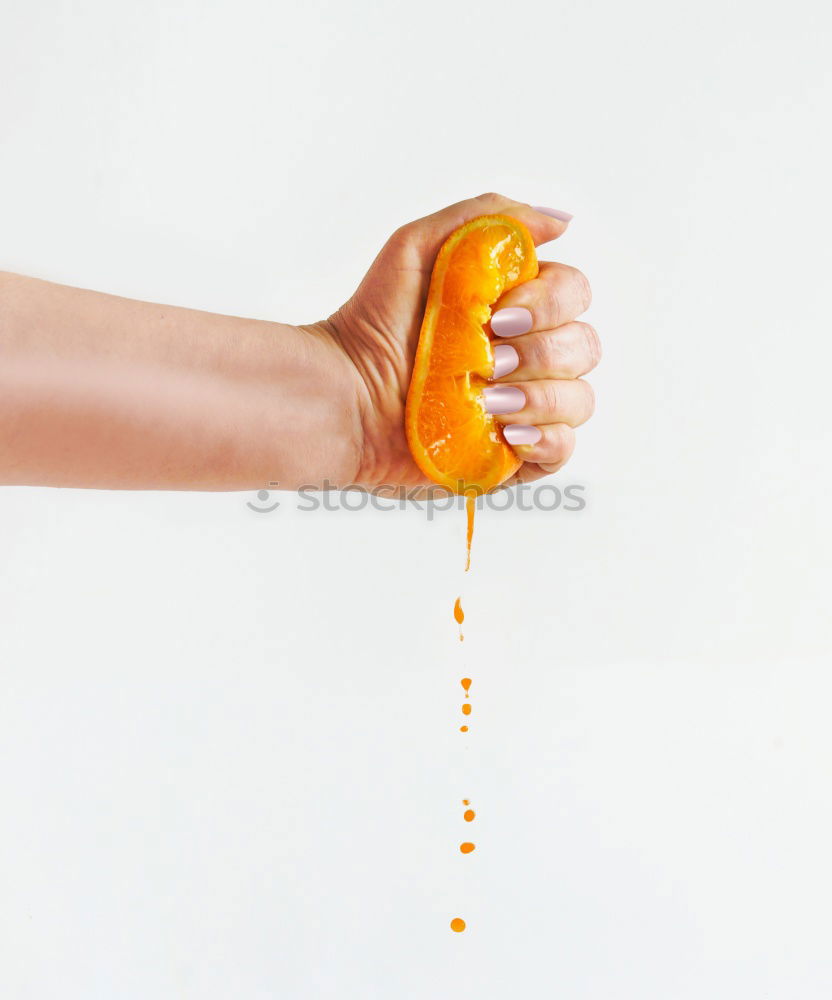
pixel 554 212
pixel 504 399
pixel 511 322
pixel 522 434
pixel 506 359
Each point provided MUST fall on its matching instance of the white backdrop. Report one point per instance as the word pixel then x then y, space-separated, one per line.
pixel 229 763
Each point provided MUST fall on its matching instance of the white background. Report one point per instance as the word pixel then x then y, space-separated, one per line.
pixel 229 758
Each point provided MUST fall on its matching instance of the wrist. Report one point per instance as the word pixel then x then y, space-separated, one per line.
pixel 311 428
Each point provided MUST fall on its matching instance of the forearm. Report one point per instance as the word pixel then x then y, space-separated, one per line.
pixel 105 392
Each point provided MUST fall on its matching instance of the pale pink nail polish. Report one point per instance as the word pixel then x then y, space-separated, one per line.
pixel 511 322
pixel 506 359
pixel 522 434
pixel 504 399
pixel 555 213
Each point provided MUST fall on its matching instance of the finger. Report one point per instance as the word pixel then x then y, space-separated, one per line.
pixel 558 295
pixel 541 401
pixel 529 472
pixel 569 351
pixel 550 448
pixel 432 230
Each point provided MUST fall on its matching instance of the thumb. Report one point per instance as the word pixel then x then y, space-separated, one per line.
pixel 431 231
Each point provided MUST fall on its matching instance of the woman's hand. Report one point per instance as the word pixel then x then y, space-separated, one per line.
pixel 538 394
pixel 101 391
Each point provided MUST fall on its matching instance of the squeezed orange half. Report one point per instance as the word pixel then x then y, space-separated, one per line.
pixel 451 437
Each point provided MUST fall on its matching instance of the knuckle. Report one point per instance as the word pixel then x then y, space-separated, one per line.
pixel 558 444
pixel 555 310
pixel 559 435
pixel 554 358
pixel 593 343
pixel 403 235
pixel 405 244
pixel 581 289
pixel 589 393
pixel 567 440
pixel 549 397
pixel 585 290
pixel 564 438
pixel 536 354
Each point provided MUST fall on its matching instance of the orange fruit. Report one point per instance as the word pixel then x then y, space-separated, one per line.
pixel 451 437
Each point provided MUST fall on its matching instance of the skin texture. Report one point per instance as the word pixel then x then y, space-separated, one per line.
pixel 104 392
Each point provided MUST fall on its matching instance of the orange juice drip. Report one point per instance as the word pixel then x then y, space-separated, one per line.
pixel 459 616
pixel 458 924
pixel 470 507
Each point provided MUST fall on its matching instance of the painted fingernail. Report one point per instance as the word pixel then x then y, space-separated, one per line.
pixel 504 399
pixel 511 322
pixel 554 212
pixel 522 434
pixel 506 359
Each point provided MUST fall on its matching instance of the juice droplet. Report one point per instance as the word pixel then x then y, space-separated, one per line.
pixel 466 684
pixel 458 924
pixel 459 616
pixel 463 729
pixel 468 815
pixel 470 507
pixel 466 709
pixel 467 847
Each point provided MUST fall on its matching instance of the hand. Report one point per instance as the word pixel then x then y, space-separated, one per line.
pixel 110 393
pixel 540 355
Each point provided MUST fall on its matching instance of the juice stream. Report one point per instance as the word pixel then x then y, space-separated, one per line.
pixel 466 847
